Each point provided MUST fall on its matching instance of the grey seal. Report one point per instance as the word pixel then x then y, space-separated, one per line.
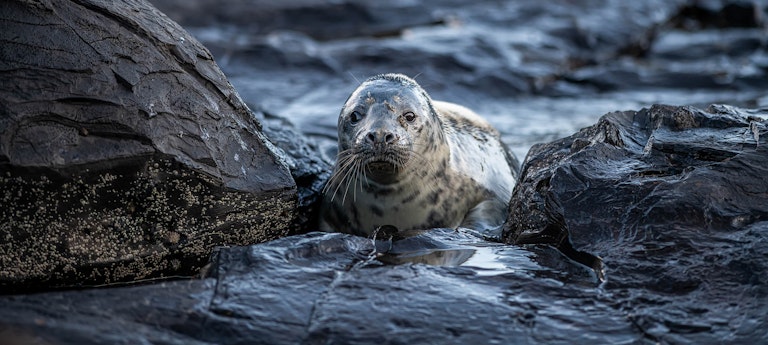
pixel 408 162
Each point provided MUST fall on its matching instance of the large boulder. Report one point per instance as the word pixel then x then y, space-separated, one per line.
pixel 673 199
pixel 125 153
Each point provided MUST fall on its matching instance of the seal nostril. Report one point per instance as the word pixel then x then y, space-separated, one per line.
pixel 380 137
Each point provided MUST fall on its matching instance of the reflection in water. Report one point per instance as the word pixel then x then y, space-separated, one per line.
pixel 442 247
pixel 437 257
pixel 488 262
pixel 420 246
pixel 469 249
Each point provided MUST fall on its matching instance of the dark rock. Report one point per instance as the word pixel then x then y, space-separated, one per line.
pixel 327 289
pixel 125 154
pixel 697 46
pixel 470 52
pixel 671 276
pixel 674 61
pixel 309 166
pixel 720 14
pixel 319 19
pixel 673 201
pixel 297 60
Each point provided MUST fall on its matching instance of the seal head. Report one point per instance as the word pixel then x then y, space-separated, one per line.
pixel 386 124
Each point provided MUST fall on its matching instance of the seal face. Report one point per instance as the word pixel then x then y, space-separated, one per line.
pixel 408 162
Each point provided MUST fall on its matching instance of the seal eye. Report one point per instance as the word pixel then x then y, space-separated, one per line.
pixel 409 116
pixel 355 117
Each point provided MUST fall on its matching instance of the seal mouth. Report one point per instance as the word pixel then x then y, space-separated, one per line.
pixel 382 166
pixel 382 170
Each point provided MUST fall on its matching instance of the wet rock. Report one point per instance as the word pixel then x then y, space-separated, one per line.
pixel 125 154
pixel 319 19
pixel 720 14
pixel 469 52
pixel 669 197
pixel 309 165
pixel 678 284
pixel 329 288
pixel 521 64
pixel 672 200
pixel 704 45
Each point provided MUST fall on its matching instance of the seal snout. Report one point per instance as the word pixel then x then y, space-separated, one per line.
pixel 383 154
pixel 379 137
pixel 381 141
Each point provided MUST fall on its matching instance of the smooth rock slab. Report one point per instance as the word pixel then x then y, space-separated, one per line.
pixel 673 199
pixel 124 152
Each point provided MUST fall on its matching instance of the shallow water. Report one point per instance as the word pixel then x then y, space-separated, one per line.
pixel 467 248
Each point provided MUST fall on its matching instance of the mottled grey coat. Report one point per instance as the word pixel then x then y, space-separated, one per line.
pixel 413 163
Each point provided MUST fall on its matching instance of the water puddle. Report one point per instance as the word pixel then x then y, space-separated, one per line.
pixel 435 257
pixel 488 262
pixel 458 248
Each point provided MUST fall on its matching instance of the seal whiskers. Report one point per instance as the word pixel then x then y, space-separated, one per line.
pixel 343 168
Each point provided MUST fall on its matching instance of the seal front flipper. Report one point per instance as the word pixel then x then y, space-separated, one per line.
pixel 487 215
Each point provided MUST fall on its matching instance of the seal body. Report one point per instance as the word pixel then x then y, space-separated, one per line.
pixel 413 163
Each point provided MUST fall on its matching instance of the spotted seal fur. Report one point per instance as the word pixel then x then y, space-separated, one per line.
pixel 409 162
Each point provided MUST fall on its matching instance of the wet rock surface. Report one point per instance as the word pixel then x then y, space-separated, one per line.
pixel 679 263
pixel 673 201
pixel 539 71
pixel 327 288
pixel 125 153
pixel 309 167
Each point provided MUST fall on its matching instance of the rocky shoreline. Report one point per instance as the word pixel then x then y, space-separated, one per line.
pixel 147 203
